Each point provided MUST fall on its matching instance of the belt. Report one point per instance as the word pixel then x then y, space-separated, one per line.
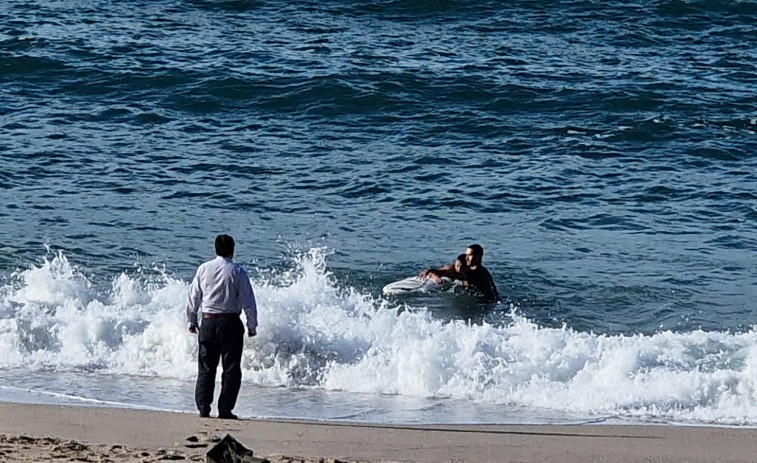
pixel 220 315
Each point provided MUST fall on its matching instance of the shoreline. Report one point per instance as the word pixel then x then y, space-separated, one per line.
pixel 153 432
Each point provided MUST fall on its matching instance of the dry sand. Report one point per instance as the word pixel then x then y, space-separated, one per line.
pixel 53 433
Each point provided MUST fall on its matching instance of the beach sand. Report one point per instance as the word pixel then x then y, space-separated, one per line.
pixel 57 433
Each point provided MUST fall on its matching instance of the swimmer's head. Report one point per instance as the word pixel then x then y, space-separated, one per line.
pixel 460 264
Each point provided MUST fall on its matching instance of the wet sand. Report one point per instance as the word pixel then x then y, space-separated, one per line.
pixel 55 433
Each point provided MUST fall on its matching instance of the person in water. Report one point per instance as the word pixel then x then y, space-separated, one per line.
pixel 454 271
pixel 461 266
pixel 475 276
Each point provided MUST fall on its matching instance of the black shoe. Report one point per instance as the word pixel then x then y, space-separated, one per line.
pixel 227 416
pixel 205 413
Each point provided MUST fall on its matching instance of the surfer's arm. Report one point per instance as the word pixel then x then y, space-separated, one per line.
pixel 433 271
pixel 449 273
pixel 437 273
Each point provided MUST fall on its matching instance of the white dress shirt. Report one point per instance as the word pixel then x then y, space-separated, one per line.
pixel 221 286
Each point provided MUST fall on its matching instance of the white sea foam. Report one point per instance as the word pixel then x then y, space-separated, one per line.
pixel 315 333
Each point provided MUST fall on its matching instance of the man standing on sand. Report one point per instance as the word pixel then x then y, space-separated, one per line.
pixel 220 291
pixel 476 277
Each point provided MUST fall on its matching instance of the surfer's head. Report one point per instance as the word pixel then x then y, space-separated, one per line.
pixel 225 246
pixel 461 265
pixel 474 254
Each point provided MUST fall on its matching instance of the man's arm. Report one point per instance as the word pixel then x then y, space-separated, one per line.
pixel 194 300
pixel 437 273
pixel 449 273
pixel 493 287
pixel 249 305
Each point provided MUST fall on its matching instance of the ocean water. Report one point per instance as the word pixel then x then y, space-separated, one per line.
pixel 603 153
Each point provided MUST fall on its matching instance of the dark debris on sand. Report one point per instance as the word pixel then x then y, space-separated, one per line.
pixel 51 449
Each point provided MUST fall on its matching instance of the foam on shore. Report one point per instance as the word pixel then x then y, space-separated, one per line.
pixel 316 333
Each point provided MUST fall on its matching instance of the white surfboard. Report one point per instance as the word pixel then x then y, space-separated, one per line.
pixel 412 284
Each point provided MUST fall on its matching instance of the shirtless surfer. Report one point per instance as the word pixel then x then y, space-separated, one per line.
pixel 476 276
pixel 454 271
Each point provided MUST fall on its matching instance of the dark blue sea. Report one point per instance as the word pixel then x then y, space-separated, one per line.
pixel 604 154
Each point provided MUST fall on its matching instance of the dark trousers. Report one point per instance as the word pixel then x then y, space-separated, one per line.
pixel 220 339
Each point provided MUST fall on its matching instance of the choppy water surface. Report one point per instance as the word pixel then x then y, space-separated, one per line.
pixel 602 153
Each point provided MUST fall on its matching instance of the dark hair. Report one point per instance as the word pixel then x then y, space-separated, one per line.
pixel 462 259
pixel 225 246
pixel 478 251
